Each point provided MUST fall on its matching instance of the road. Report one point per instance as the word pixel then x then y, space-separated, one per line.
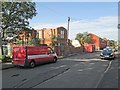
pixel 85 70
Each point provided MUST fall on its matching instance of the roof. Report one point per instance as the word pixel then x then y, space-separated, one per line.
pixel 51 28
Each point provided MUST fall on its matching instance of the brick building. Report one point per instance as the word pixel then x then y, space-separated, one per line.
pixel 46 34
pixel 98 42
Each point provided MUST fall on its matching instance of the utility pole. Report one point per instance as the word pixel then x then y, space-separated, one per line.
pixel 68 36
pixel 68 26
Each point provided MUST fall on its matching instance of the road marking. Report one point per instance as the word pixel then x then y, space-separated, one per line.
pixel 103 75
pixel 80 70
pixel 108 67
pixel 92 63
pixel 59 67
pixel 90 68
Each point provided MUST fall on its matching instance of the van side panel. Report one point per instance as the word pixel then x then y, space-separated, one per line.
pixel 38 54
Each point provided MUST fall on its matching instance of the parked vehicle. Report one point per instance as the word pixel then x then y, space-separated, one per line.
pixel 32 55
pixel 107 53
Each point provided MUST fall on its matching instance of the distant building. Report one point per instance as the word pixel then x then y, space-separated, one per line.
pixel 27 35
pixel 46 34
pixel 98 42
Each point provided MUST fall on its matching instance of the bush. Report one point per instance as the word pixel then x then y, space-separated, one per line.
pixel 4 58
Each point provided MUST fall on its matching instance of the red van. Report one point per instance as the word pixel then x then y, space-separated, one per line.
pixel 32 55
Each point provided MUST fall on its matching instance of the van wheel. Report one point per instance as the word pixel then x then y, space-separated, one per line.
pixel 32 64
pixel 55 60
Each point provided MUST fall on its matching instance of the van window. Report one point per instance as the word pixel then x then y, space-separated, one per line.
pixel 50 50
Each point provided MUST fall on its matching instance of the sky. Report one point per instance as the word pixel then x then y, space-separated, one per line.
pixel 100 18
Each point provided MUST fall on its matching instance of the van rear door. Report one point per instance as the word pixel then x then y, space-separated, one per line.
pixel 19 55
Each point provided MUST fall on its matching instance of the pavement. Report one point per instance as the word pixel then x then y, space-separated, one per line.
pixel 110 79
pixel 6 65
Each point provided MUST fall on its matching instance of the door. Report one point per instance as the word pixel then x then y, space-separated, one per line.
pixel 50 53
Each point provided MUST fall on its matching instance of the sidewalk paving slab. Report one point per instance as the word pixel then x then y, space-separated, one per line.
pixel 7 65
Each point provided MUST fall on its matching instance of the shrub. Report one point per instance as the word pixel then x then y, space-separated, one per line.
pixel 4 58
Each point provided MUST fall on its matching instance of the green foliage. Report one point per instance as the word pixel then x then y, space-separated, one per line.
pixel 30 42
pixel 113 44
pixel 36 42
pixel 4 58
pixel 87 39
pixel 83 38
pixel 43 45
pixel 79 37
pixel 20 42
pixel 54 39
pixel 16 15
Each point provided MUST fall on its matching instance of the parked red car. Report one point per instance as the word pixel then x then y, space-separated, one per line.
pixel 32 55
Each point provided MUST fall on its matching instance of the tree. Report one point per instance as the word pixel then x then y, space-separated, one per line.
pixel 83 38
pixel 113 43
pixel 16 15
pixel 79 37
pixel 54 39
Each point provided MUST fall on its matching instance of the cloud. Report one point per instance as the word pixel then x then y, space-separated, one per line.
pixel 103 27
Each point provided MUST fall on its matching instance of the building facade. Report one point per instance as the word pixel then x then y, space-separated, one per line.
pixel 46 35
pixel 98 42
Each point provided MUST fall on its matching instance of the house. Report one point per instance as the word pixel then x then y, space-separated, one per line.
pixel 98 42
pixel 46 36
pixel 26 35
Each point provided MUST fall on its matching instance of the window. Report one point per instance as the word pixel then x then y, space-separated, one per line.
pixel 40 34
pixel 50 51
pixel 62 33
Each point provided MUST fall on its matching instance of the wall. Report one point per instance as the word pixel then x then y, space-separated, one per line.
pixel 46 34
pixel 103 43
pixel 95 41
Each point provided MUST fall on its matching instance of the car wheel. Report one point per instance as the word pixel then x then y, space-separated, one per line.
pixel 32 64
pixel 55 60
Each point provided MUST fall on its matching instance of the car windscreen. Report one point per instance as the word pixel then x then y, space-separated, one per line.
pixel 107 51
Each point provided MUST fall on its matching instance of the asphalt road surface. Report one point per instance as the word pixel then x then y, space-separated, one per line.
pixel 85 70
